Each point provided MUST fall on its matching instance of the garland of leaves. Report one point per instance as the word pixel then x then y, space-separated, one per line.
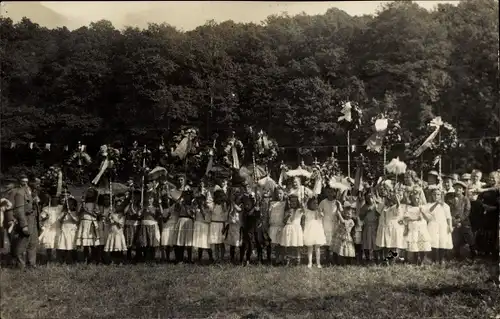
pixel 266 149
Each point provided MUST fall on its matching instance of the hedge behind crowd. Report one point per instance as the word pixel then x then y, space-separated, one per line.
pixel 288 76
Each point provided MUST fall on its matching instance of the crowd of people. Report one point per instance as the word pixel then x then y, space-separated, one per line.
pixel 399 219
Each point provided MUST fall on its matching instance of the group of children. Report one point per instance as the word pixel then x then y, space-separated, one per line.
pixel 392 221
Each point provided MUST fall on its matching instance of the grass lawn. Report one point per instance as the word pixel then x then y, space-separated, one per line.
pixel 224 291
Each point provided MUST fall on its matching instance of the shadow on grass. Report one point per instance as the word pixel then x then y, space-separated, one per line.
pixel 367 302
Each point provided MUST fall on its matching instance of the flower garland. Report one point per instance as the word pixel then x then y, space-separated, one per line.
pixel 266 149
pixel 51 179
pixel 79 158
pixel 447 140
pixel 329 169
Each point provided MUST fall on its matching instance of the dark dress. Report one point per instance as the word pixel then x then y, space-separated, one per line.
pixel 487 235
pixel 253 234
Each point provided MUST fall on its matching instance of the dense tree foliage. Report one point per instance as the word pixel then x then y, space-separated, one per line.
pixel 287 76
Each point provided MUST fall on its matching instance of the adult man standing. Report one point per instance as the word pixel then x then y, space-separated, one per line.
pixel 25 231
pixel 460 210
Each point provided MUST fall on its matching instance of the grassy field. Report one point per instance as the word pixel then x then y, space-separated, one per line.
pixel 225 291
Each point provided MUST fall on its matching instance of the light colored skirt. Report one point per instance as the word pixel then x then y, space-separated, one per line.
pixel 391 235
pixel 148 234
pixel 49 237
pixel 200 235
pixel 67 237
pixel 168 234
pixel 292 236
pixel 343 245
pixel 418 237
pixel 234 235
pixel 216 235
pixel 184 230
pixel 314 235
pixel 440 237
pixel 88 234
pixel 116 241
pixel 275 234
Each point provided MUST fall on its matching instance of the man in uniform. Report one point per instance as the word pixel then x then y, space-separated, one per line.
pixel 25 231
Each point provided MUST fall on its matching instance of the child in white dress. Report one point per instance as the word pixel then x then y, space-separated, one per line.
pixel 391 230
pixel 116 244
pixel 220 213
pixel 276 219
pixel 170 217
pixel 51 226
pixel 234 236
pixel 329 207
pixel 292 235
pixel 201 231
pixel 439 225
pixel 343 242
pixel 66 244
pixel 314 235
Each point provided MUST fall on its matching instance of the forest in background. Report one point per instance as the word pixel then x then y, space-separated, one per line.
pixel 287 76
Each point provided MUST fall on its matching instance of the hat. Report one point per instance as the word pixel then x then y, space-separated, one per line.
pixel 433 173
pixel 466 176
pixel 447 176
pixel 23 177
pixel 460 183
pixel 434 188
pixel 348 204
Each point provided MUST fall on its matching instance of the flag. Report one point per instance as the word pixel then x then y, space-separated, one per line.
pixel 347 113
pixel 376 140
pixel 210 165
pixel 436 123
pixel 436 160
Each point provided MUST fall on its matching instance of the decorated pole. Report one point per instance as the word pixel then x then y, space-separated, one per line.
pixel 385 160
pixel 349 153
pixel 143 175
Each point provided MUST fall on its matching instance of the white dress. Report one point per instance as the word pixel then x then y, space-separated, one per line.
pixel 438 226
pixel 88 233
pixel 50 227
pixel 390 233
pixel 168 235
pixel 330 221
pixel 418 238
pixel 292 235
pixel 314 235
pixel 276 216
pixel 115 240
pixel 201 230
pixel 219 218
pixel 67 236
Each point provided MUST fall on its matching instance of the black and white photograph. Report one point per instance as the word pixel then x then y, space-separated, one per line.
pixel 249 159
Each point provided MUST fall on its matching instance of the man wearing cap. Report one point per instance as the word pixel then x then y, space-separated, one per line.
pixel 460 210
pixel 25 232
pixel 465 178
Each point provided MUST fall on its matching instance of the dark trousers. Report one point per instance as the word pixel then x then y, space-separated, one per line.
pixel 25 247
pixel 251 241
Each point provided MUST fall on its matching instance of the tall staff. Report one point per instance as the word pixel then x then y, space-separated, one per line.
pixel 349 153
pixel 143 178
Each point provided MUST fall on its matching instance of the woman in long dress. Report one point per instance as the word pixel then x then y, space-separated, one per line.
pixel 439 225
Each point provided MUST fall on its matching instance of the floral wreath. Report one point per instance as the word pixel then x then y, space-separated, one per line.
pixel 228 145
pixel 79 158
pixel 329 168
pixel 266 149
pixel 192 133
pixel 137 156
